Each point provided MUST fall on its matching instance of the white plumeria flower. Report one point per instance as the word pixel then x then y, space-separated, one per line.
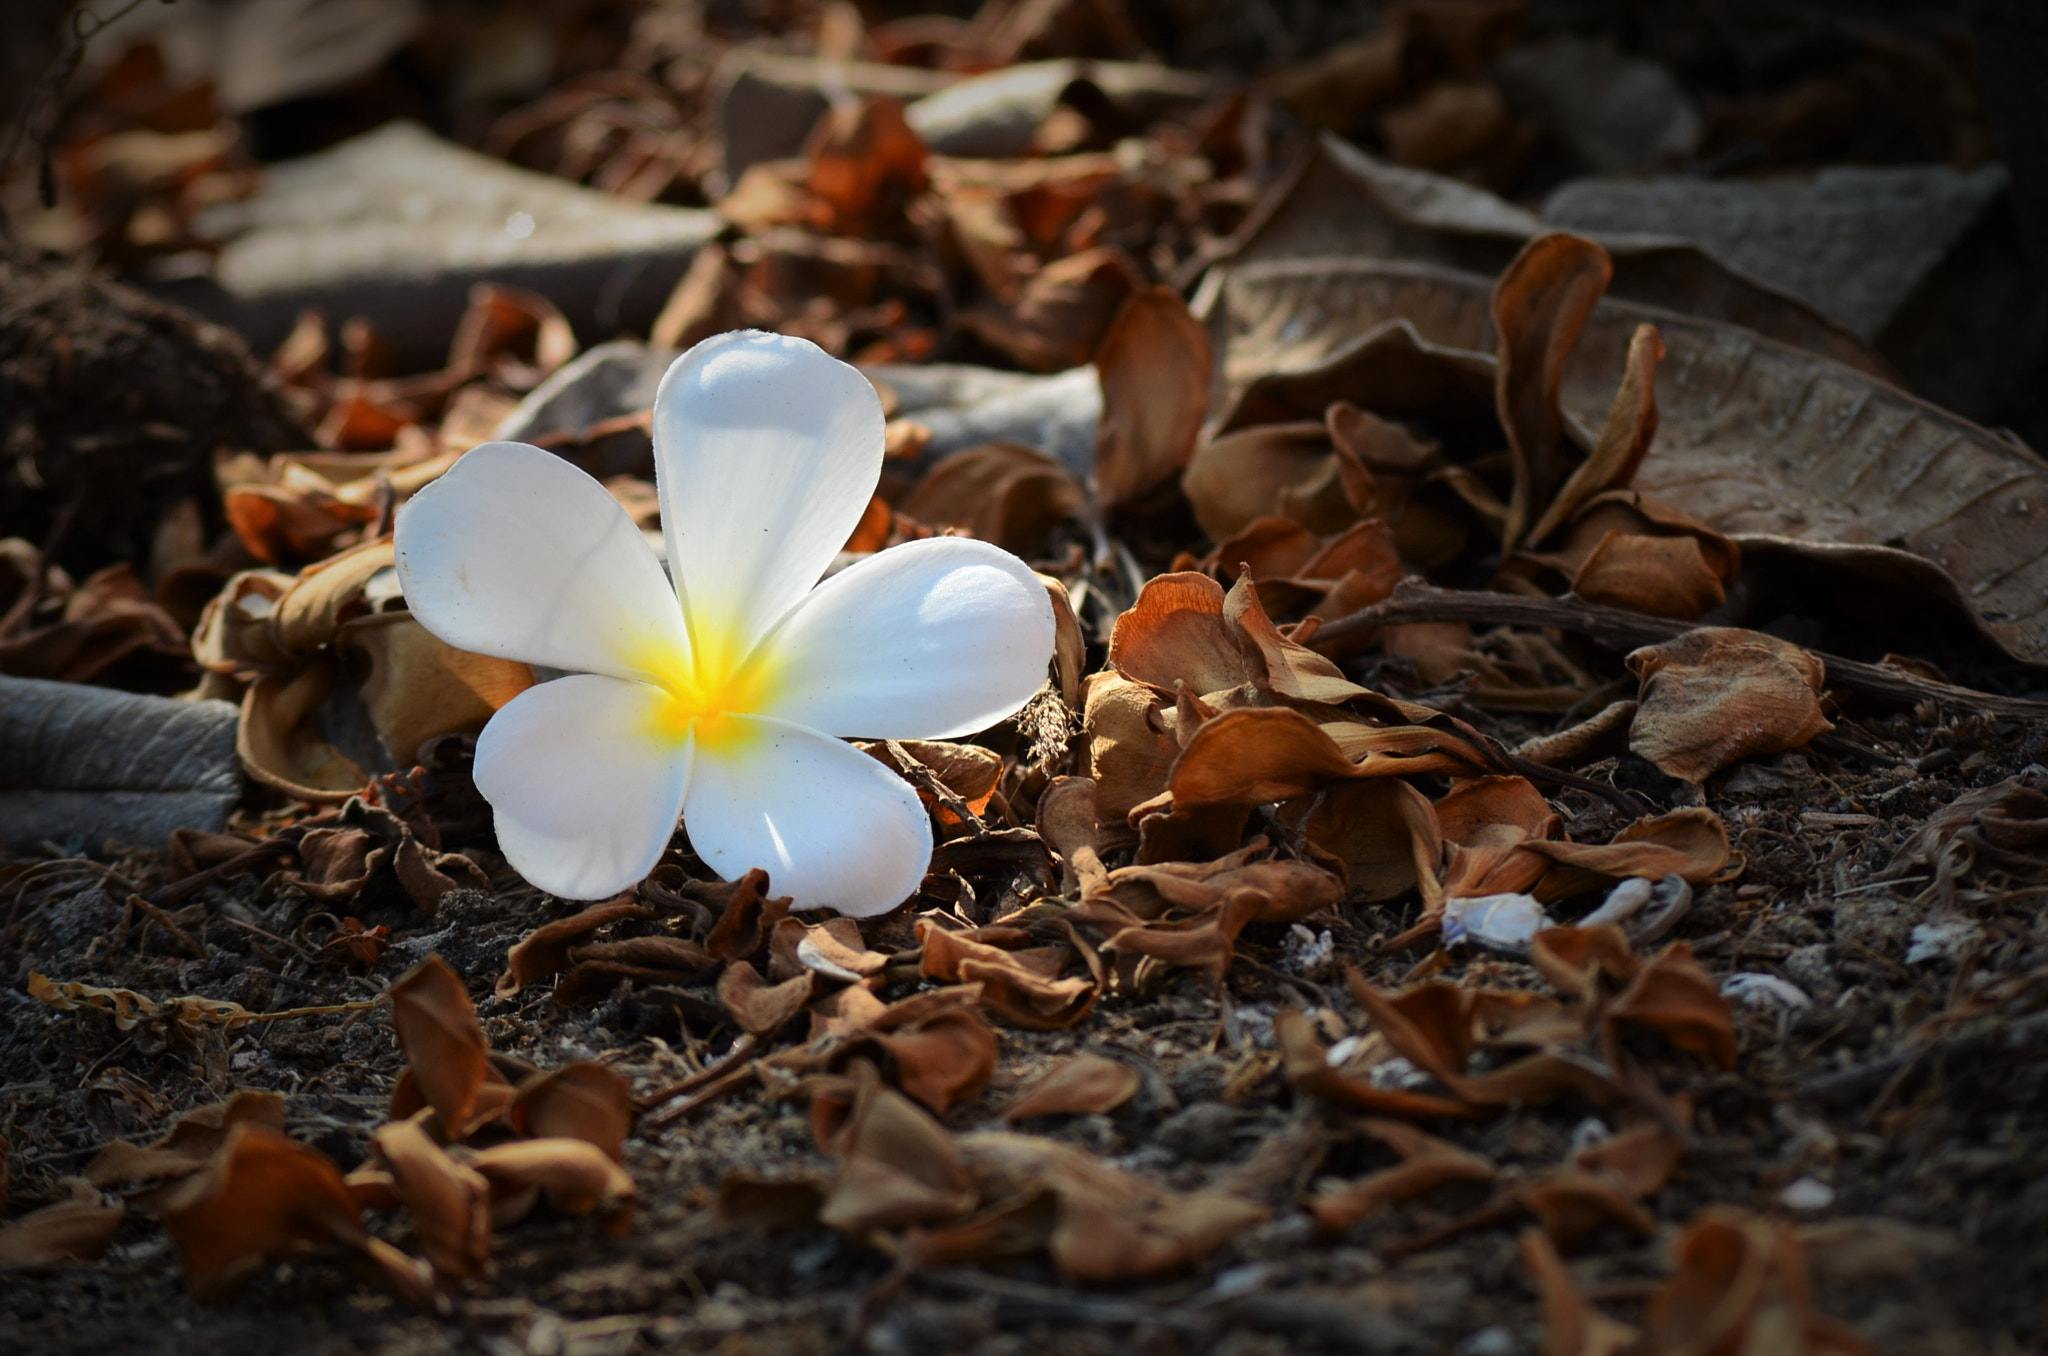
pixel 721 699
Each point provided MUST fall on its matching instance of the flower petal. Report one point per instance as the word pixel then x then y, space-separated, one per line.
pixel 585 793
pixel 516 553
pixel 927 640
pixel 767 451
pixel 832 826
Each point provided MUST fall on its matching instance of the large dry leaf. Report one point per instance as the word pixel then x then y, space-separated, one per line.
pixel 444 1045
pixel 579 1177
pixel 264 1197
pixel 1781 449
pixel 1571 1325
pixel 450 1203
pixel 74 1230
pixel 1019 983
pixel 1739 1287
pixel 1540 304
pixel 1386 834
pixel 1711 698
pixel 1154 368
pixel 897 1165
pixel 1078 1085
pixel 1003 493
pixel 1175 633
pixel 1237 478
pixel 583 1101
pixel 761 1008
pixel 1130 753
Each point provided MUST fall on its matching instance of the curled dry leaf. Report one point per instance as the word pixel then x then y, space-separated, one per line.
pixel 2003 828
pixel 1079 1085
pixel 761 1008
pixel 188 1145
pixel 1714 696
pixel 1129 751
pixel 1571 1325
pixel 450 1203
pixel 583 1101
pixel 1739 1282
pixel 578 1177
pixel 545 950
pixel 1108 1224
pixel 265 1198
pixel 897 1165
pixel 1426 1163
pixel 1003 493
pixel 1020 983
pixel 444 1046
pixel 1308 1068
pixel 1154 369
pixel 74 1230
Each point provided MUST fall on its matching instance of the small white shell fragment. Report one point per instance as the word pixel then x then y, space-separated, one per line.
pixel 1623 902
pixel 1807 1194
pixel 1944 939
pixel 1589 1132
pixel 1340 1053
pixel 1500 922
pixel 1764 991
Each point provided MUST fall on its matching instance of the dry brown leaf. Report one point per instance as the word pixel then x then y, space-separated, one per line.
pixel 1738 1286
pixel 130 1009
pixel 1308 1068
pixel 1130 753
pixel 1426 1163
pixel 1712 698
pixel 75 1230
pixel 1692 843
pixel 2003 827
pixel 897 1165
pixel 450 1203
pixel 188 1145
pixel 583 1101
pixel 865 163
pixel 1657 576
pixel 1078 1085
pixel 1109 1225
pixel 1676 998
pixel 941 1059
pixel 1019 983
pixel 1542 301
pixel 444 1046
pixel 1059 319
pixel 1386 834
pixel 1451 121
pixel 1571 1325
pixel 265 1198
pixel 579 1177
pixel 1154 370
pixel 1624 438
pixel 1175 633
pixel 1236 478
pixel 761 1008
pixel 1004 493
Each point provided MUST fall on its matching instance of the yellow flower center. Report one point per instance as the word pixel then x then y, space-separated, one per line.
pixel 706 688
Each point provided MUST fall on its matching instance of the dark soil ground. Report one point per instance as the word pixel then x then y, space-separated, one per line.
pixel 1930 1137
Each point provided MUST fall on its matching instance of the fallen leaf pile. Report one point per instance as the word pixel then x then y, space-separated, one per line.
pixel 1494 638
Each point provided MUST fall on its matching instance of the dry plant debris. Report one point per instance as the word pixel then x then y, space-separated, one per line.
pixel 1530 838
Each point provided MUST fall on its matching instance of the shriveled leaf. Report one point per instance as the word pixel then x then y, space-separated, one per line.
pixel 444 1045
pixel 545 950
pixel 583 1101
pixel 1736 699
pixel 1426 1163
pixel 188 1145
pixel 264 1198
pixel 761 1008
pixel 75 1230
pixel 578 1177
pixel 450 1203
pixel 1154 369
pixel 1078 1085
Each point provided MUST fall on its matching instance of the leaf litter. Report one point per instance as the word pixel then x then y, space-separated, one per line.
pixel 1089 1086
